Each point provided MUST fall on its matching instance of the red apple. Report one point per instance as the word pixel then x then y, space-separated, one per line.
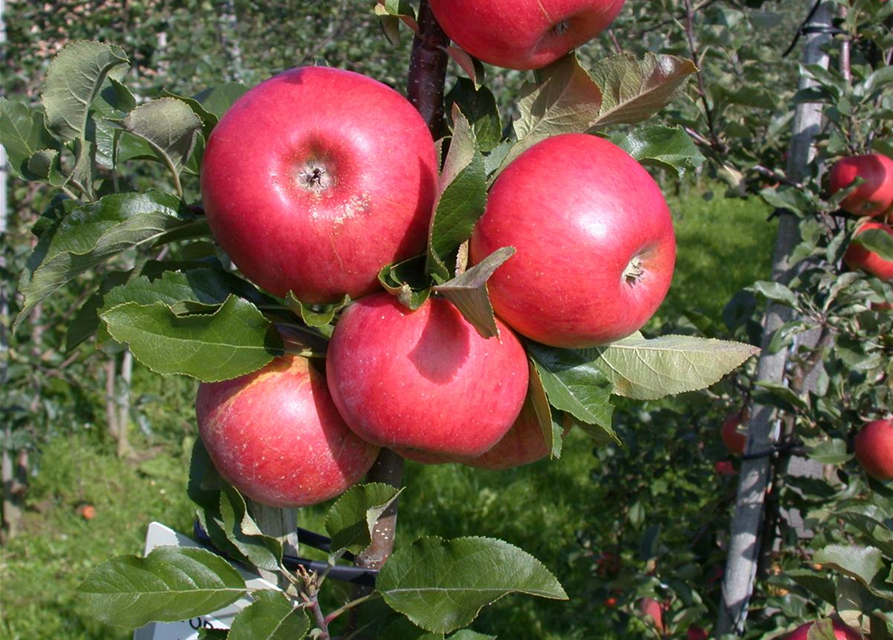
pixel 277 437
pixel 724 468
pixel 874 196
pixel 841 632
pixel 523 444
pixel 523 34
pixel 316 179
pixel 734 439
pixel 651 609
pixel 594 240
pixel 424 379
pixel 874 449
pixel 697 633
pixel 858 257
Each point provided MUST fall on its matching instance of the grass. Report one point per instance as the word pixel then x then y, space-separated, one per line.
pixel 724 245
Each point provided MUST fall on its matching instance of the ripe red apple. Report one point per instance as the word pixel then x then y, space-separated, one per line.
pixel 316 179
pixel 874 196
pixel 523 444
pixel 594 239
pixel 734 439
pixel 277 437
pixel 697 633
pixel 424 379
pixel 724 468
pixel 651 609
pixel 841 632
pixel 874 449
pixel 858 257
pixel 523 34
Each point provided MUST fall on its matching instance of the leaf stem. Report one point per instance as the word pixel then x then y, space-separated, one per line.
pixel 350 605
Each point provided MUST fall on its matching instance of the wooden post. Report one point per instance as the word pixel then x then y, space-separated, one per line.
pixel 745 541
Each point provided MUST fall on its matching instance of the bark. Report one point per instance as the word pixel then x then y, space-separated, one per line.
pixel 745 542
pixel 427 71
pixel 111 411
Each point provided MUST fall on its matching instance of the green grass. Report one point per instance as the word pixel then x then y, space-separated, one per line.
pixel 724 245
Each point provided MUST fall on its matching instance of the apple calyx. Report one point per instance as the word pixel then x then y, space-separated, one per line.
pixel 562 27
pixel 634 271
pixel 315 177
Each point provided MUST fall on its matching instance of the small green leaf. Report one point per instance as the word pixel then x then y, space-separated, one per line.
pixel 233 341
pixel 635 89
pixel 816 583
pixel 217 100
pixel 255 548
pixel 441 585
pixel 669 365
pixel 831 452
pixel 479 107
pixel 351 520
pixel 663 147
pixel 878 241
pixel 74 80
pixel 776 292
pixel 92 233
pixel 576 385
pixel 23 133
pixel 168 585
pixel 821 630
pixel 538 401
pixel 406 280
pixel 319 316
pixel 780 396
pixel 468 292
pixel 270 617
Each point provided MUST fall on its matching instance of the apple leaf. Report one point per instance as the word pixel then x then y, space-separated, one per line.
pixel 233 341
pixel 402 280
pixel 23 134
pixel 351 520
pixel 478 104
pixel 663 147
pixel 168 585
pixel 92 233
pixel 441 585
pixel 74 79
pixel 46 165
pixel 86 322
pixel 877 241
pixel 111 105
pixel 858 562
pixel 171 129
pixel 461 202
pixel 318 315
pixel 470 65
pixel 574 384
pixel 468 292
pixel 821 630
pixel 254 548
pixel 633 90
pixel 816 583
pixel 565 101
pixel 270 617
pixel 218 99
pixel 538 402
pixel 651 369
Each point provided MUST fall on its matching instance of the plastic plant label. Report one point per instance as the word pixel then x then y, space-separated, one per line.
pixel 159 535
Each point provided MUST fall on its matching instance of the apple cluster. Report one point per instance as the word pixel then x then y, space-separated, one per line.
pixel 318 178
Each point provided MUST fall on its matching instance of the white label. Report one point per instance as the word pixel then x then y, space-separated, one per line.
pixel 162 536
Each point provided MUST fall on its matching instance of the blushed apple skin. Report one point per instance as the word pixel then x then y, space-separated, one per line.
pixel 734 440
pixel 874 449
pixel 841 632
pixel 594 239
pixel 523 34
pixel 323 234
pixel 523 444
pixel 277 437
pixel 858 257
pixel 873 197
pixel 651 608
pixel 424 379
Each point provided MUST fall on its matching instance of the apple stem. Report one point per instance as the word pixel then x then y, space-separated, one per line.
pixel 634 271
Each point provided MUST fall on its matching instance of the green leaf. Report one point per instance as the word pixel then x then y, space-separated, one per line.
pixel 46 165
pixel 816 583
pixel 406 281
pixel 566 100
pixel 233 341
pixel 23 133
pixel 573 383
pixel 270 617
pixel 479 107
pixel 877 241
pixel 255 548
pixel 74 79
pixel 468 292
pixel 217 100
pixel 664 147
pixel 168 585
pixel 780 396
pixel 538 401
pixel 468 634
pixel 441 585
pixel 317 316
pixel 633 90
pixel 86 322
pixel 859 562
pixel 669 365
pixel 170 127
pixel 776 292
pixel 351 520
pixel 822 630
pixel 831 452
pixel 91 234
pixel 463 198
pixel 788 198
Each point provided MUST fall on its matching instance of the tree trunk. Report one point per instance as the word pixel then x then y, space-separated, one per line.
pixel 123 402
pixel 111 410
pixel 744 543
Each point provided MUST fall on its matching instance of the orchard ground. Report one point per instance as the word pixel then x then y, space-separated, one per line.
pixel 724 245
